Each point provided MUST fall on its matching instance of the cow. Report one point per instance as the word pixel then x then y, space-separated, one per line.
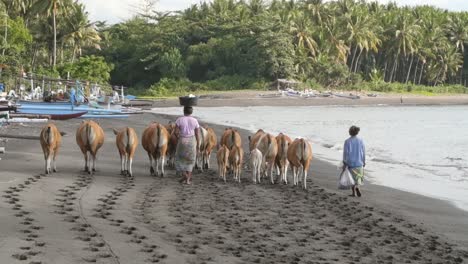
pixel 281 160
pixel 230 138
pixel 90 138
pixel 223 159
pixel 236 156
pixel 51 140
pixel 255 138
pixel 127 142
pixel 256 158
pixel 172 144
pixel 201 145
pixel 210 145
pixel 300 156
pixel 155 141
pixel 266 143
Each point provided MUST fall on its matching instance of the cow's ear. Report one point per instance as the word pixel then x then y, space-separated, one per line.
pixel 115 131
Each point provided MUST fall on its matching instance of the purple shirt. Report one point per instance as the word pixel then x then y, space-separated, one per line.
pixel 187 126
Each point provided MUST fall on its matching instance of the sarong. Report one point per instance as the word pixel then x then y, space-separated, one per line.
pixel 186 153
pixel 358 175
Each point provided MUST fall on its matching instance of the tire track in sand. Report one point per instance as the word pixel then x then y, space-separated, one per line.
pixel 70 207
pixel 26 218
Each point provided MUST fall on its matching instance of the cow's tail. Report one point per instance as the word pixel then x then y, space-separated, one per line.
pixel 49 136
pixel 284 147
pixel 304 154
pixel 201 138
pixel 89 136
pixel 233 137
pixel 161 140
pixel 130 139
pixel 270 144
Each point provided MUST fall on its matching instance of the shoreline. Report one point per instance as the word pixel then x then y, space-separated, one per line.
pixel 441 216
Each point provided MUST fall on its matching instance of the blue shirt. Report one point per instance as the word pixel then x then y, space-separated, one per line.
pixel 354 152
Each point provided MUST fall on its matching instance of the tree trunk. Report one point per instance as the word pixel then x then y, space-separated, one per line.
pixel 421 73
pixel 352 61
pixel 416 70
pixel 385 71
pixel 393 68
pixel 55 37
pixel 409 69
pixel 357 61
pixel 6 34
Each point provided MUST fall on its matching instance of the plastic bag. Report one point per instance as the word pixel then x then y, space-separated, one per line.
pixel 346 181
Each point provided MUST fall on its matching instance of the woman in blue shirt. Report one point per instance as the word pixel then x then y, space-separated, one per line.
pixel 354 158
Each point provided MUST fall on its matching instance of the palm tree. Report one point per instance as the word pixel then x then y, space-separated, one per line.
pixel 80 32
pixel 302 29
pixel 457 29
pixel 51 7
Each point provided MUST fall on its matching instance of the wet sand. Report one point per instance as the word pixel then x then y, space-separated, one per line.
pixel 71 217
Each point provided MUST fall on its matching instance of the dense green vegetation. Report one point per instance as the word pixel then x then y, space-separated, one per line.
pixel 227 44
pixel 51 38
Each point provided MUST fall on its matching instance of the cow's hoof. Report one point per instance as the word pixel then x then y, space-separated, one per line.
pixel 94 169
pixel 55 170
pixel 47 172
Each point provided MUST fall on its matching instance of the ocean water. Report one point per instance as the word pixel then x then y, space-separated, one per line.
pixel 420 149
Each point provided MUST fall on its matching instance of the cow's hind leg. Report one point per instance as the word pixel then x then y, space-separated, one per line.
pixel 47 163
pixel 129 166
pixel 150 157
pixel 304 172
pixel 93 155
pixel 86 168
pixel 53 160
pixel 163 158
pixel 122 164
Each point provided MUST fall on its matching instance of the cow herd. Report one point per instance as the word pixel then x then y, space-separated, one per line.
pixel 268 154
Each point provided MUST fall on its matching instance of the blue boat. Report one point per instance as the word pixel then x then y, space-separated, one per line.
pixel 63 108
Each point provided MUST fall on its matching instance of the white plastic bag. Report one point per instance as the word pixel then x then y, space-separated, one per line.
pixel 346 181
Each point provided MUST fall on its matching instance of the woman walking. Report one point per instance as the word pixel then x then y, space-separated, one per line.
pixel 186 151
pixel 354 158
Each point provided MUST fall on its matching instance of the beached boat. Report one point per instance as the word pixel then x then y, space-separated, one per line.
pixel 48 116
pixel 351 96
pixel 67 116
pixel 7 108
pixel 94 116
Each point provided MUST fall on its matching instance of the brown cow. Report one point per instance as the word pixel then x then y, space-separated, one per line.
pixel 223 159
pixel 230 138
pixel 90 138
pixel 266 143
pixel 282 162
pixel 255 138
pixel 50 142
pixel 300 156
pixel 127 142
pixel 172 144
pixel 235 161
pixel 210 145
pixel 155 140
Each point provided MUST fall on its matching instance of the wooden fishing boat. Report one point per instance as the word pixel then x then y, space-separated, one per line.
pixel 67 116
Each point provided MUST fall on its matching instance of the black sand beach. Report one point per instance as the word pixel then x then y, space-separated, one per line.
pixel 70 217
